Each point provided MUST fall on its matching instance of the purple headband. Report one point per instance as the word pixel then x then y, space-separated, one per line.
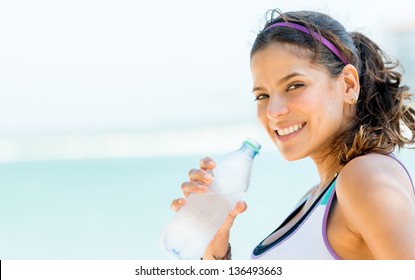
pixel 315 35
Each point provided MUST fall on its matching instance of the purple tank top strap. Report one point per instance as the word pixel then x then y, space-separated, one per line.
pixel 400 162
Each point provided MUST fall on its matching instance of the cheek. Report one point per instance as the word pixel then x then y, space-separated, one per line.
pixel 262 114
pixel 330 120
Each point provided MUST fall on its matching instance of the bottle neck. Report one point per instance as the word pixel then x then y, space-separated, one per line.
pixel 249 149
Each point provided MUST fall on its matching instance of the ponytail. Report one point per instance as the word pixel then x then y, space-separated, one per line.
pixel 384 117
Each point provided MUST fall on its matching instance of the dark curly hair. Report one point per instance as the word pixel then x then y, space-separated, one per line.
pixel 384 118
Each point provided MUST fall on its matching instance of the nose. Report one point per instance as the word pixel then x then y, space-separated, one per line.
pixel 277 107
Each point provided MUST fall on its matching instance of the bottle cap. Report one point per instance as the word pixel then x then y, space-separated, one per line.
pixel 254 144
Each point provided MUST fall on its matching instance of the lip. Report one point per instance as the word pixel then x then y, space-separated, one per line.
pixel 284 138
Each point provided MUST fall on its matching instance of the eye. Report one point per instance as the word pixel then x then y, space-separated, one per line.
pixel 294 86
pixel 261 96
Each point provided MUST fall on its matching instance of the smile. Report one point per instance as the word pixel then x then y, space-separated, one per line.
pixel 290 129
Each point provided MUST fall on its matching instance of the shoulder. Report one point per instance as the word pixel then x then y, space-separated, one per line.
pixel 373 178
pixel 375 195
pixel 373 172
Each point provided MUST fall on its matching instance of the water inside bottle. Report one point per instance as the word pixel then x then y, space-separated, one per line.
pixel 191 232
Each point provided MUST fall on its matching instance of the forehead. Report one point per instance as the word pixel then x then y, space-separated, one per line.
pixel 283 58
pixel 278 52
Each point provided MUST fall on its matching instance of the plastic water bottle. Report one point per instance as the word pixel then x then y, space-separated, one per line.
pixel 197 222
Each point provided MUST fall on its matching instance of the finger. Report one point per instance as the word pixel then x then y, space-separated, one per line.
pixel 200 176
pixel 240 207
pixel 177 204
pixel 207 163
pixel 193 187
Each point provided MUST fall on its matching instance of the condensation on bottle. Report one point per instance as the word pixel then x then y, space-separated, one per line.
pixel 196 223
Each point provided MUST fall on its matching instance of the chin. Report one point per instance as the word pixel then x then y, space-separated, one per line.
pixel 290 155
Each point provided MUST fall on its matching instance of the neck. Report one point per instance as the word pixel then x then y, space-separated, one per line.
pixel 327 169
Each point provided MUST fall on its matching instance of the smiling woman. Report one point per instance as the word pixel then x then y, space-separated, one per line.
pixel 334 97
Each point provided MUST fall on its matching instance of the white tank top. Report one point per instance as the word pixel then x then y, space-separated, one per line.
pixel 307 239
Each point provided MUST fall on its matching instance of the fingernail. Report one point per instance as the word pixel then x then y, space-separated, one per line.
pixel 202 187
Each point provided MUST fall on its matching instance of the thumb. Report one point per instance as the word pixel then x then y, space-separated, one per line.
pixel 240 207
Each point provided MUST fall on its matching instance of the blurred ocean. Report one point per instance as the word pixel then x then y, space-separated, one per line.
pixel 115 207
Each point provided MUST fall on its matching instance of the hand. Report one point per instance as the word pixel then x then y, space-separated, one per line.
pixel 199 181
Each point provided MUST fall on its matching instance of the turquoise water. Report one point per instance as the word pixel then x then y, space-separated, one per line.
pixel 117 208
pixel 98 209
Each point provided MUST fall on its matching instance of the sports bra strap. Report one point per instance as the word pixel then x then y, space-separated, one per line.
pixel 409 175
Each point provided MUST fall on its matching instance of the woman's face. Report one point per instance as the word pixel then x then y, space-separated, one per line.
pixel 300 106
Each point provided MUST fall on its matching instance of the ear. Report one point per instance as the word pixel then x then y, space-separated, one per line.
pixel 350 84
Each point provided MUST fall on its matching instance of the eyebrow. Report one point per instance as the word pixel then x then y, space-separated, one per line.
pixel 282 80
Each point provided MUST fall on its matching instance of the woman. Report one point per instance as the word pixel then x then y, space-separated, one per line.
pixel 335 97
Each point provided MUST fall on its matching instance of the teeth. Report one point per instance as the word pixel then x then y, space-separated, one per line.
pixel 289 130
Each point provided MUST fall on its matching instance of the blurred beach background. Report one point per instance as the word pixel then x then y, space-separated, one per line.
pixel 106 105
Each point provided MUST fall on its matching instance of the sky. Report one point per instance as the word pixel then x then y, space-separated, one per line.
pixel 90 66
